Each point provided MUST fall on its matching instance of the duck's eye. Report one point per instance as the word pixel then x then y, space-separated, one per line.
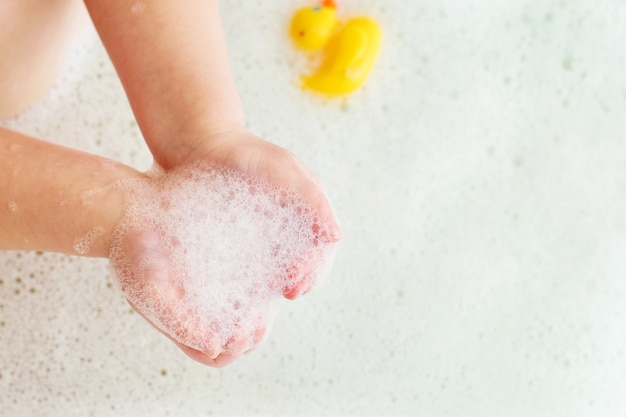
pixel 317 8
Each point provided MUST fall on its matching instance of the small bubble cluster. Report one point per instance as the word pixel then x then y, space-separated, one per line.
pixel 83 244
pixel 205 254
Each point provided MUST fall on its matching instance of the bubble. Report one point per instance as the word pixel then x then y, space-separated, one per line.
pixel 85 195
pixel 12 206
pixel 206 253
pixel 83 244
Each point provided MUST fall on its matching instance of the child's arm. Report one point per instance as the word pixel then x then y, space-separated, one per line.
pixel 172 60
pixel 56 199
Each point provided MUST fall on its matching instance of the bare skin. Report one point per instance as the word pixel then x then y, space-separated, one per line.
pixel 182 93
pixel 34 39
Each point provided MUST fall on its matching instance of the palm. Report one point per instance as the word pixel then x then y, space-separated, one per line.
pixel 250 155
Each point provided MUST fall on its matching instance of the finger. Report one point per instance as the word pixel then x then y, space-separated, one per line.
pixel 155 295
pixel 316 196
pixel 325 225
pixel 207 357
pixel 300 279
pixel 290 171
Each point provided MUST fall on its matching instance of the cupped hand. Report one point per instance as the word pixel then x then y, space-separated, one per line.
pixel 240 150
pixel 251 156
pixel 147 275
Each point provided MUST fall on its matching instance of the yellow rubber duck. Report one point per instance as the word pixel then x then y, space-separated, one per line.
pixel 350 50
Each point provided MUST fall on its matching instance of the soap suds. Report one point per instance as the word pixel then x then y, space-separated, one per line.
pixel 85 195
pixel 83 244
pixel 12 206
pixel 206 254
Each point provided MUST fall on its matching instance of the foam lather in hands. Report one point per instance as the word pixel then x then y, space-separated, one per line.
pixel 205 253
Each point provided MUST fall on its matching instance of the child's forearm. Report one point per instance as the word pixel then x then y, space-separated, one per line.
pixel 172 60
pixel 56 199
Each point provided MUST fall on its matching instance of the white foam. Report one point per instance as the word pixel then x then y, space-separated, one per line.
pixel 228 247
pixel 85 195
pixel 12 206
pixel 83 244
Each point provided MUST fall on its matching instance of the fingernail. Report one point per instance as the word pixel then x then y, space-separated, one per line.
pixel 213 353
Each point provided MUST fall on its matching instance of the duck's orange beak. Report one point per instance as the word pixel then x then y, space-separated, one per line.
pixel 329 3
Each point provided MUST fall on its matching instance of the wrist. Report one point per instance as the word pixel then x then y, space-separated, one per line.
pixel 100 213
pixel 197 138
pixel 57 199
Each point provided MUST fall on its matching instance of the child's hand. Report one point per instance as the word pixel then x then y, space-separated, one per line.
pixel 242 152
pixel 185 101
pixel 144 250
